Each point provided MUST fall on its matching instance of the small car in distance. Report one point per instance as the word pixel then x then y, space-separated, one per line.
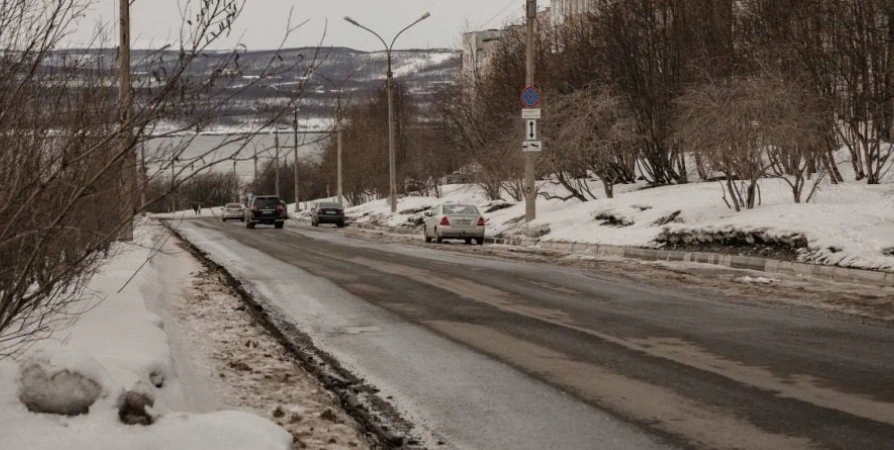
pixel 454 221
pixel 265 209
pixel 328 212
pixel 232 211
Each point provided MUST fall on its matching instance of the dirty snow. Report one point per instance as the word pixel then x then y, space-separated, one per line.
pixel 251 369
pixel 120 345
pixel 758 280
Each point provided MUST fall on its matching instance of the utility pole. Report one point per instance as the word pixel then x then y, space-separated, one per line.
pixel 125 116
pixel 276 159
pixel 338 189
pixel 530 157
pixel 255 179
pixel 235 180
pixel 295 126
pixel 144 176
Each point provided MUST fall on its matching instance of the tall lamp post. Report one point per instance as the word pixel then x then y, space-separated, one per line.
pixel 392 195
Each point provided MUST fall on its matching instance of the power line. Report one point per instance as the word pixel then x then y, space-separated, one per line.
pixel 500 13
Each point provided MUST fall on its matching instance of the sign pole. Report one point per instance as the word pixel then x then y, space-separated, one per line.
pixel 530 157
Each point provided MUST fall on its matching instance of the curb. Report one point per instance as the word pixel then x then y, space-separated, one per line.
pixel 379 421
pixel 718 259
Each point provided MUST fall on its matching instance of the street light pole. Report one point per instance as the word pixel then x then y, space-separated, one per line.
pixel 392 191
pixel 530 157
pixel 392 194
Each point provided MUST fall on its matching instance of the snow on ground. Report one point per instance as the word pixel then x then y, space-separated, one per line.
pixel 849 224
pixel 759 280
pixel 250 368
pixel 118 345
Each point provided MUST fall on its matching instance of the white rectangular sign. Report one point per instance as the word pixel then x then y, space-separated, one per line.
pixel 532 146
pixel 531 113
pixel 531 130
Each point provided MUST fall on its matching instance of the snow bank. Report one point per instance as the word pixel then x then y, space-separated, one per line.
pixel 116 346
pixel 848 225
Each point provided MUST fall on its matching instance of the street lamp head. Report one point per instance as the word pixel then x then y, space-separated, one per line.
pixel 351 21
pixel 425 16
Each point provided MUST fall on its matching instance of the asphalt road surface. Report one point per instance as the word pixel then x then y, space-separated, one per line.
pixel 488 353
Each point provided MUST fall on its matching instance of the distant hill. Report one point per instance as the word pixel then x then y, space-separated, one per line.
pixel 423 71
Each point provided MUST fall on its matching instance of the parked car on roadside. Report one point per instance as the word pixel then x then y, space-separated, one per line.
pixel 265 209
pixel 327 212
pixel 232 211
pixel 454 221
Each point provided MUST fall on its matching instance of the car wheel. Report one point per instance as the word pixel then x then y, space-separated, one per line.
pixel 438 237
pixel 480 241
pixel 250 225
pixel 425 235
pixel 340 224
pixel 279 225
pixel 468 241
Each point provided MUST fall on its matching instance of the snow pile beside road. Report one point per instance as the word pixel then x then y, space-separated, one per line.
pixel 117 346
pixel 848 225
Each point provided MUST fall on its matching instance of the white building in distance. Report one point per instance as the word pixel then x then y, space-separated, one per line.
pixel 478 49
pixel 563 9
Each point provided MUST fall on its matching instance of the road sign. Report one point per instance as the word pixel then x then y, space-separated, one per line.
pixel 531 130
pixel 530 97
pixel 532 146
pixel 531 113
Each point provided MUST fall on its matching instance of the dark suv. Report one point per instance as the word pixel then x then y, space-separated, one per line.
pixel 267 209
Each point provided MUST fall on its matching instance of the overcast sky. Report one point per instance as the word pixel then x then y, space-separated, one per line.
pixel 263 22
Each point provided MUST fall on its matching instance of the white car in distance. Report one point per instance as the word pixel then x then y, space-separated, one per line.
pixel 232 211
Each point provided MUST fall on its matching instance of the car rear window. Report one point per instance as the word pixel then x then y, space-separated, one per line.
pixel 329 206
pixel 266 202
pixel 232 205
pixel 460 210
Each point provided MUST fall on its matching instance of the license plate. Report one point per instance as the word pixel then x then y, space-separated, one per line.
pixel 331 212
pixel 463 222
pixel 266 211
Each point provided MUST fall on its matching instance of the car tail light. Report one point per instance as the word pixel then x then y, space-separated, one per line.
pixel 445 222
pixel 254 209
pixel 481 221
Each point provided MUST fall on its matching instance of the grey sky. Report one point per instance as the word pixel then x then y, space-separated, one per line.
pixel 263 22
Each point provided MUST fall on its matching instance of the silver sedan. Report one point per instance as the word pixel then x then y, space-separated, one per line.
pixel 454 221
pixel 232 211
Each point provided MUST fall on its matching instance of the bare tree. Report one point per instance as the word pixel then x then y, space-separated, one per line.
pixel 592 133
pixel 61 155
pixel 744 127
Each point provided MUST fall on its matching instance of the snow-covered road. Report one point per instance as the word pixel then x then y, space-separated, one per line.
pixel 488 353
